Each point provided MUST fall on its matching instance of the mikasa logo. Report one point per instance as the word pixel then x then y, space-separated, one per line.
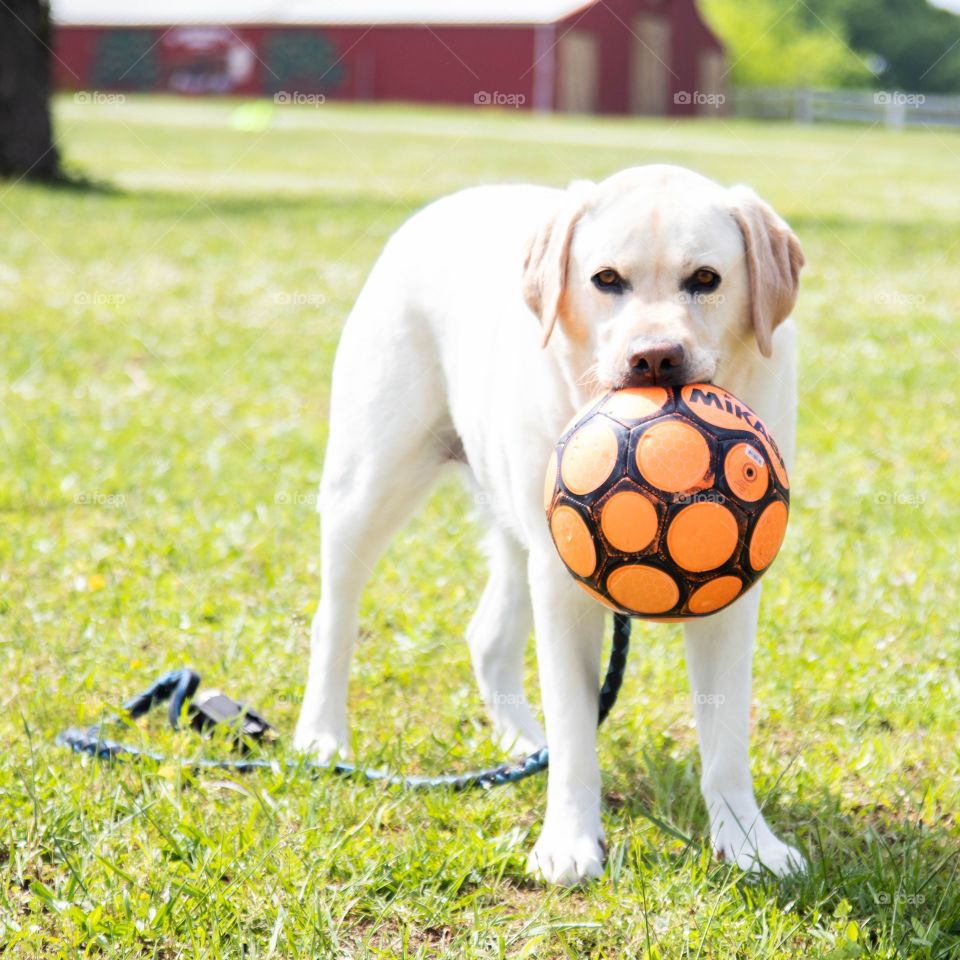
pixel 710 398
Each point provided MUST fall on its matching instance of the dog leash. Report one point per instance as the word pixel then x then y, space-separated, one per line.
pixel 179 687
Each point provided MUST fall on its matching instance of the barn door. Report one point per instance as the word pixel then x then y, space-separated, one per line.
pixel 579 65
pixel 650 75
pixel 711 74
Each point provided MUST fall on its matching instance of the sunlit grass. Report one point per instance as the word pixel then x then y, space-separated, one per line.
pixel 163 389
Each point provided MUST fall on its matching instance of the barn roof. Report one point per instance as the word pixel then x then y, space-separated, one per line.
pixel 149 12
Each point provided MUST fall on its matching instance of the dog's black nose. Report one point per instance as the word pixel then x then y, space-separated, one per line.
pixel 658 362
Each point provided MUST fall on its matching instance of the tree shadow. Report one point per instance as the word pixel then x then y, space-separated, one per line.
pixel 68 181
pixel 355 204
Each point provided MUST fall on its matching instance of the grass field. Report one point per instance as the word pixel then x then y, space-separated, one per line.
pixel 163 386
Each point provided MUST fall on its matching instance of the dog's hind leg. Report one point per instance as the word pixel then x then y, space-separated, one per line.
pixel 389 434
pixel 497 637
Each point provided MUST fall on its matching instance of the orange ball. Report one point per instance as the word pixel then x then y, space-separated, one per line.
pixel 667 502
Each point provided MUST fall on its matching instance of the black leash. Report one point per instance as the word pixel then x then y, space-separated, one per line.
pixel 179 686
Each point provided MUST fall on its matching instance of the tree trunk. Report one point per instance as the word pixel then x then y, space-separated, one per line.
pixel 26 134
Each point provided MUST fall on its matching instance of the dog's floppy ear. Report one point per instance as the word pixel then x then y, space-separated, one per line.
pixel 774 259
pixel 548 250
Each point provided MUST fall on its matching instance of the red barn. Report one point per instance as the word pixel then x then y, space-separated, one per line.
pixel 584 56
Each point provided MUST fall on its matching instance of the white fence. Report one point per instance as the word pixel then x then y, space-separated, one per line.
pixel 893 108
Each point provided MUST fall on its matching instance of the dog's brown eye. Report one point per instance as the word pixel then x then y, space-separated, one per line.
pixel 705 278
pixel 607 280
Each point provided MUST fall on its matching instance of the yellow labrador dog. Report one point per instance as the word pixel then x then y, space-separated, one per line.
pixel 489 319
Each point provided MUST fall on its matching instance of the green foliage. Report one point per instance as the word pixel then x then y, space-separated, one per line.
pixel 772 43
pixel 918 44
pixel 163 390
pixel 893 44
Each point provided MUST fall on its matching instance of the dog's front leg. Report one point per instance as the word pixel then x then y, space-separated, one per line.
pixel 569 633
pixel 719 662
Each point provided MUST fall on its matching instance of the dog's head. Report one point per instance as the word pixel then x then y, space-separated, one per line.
pixel 658 275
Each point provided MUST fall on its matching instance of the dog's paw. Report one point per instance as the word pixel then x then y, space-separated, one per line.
pixel 517 745
pixel 516 731
pixel 757 854
pixel 324 746
pixel 565 859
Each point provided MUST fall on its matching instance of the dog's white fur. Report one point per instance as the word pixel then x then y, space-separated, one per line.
pixel 443 359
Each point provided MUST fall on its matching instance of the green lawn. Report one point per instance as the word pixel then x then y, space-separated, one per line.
pixel 163 386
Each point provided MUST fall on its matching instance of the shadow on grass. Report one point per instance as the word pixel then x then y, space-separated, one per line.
pixel 68 181
pixel 896 876
pixel 197 205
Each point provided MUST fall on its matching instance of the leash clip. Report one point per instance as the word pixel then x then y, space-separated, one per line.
pixel 211 708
